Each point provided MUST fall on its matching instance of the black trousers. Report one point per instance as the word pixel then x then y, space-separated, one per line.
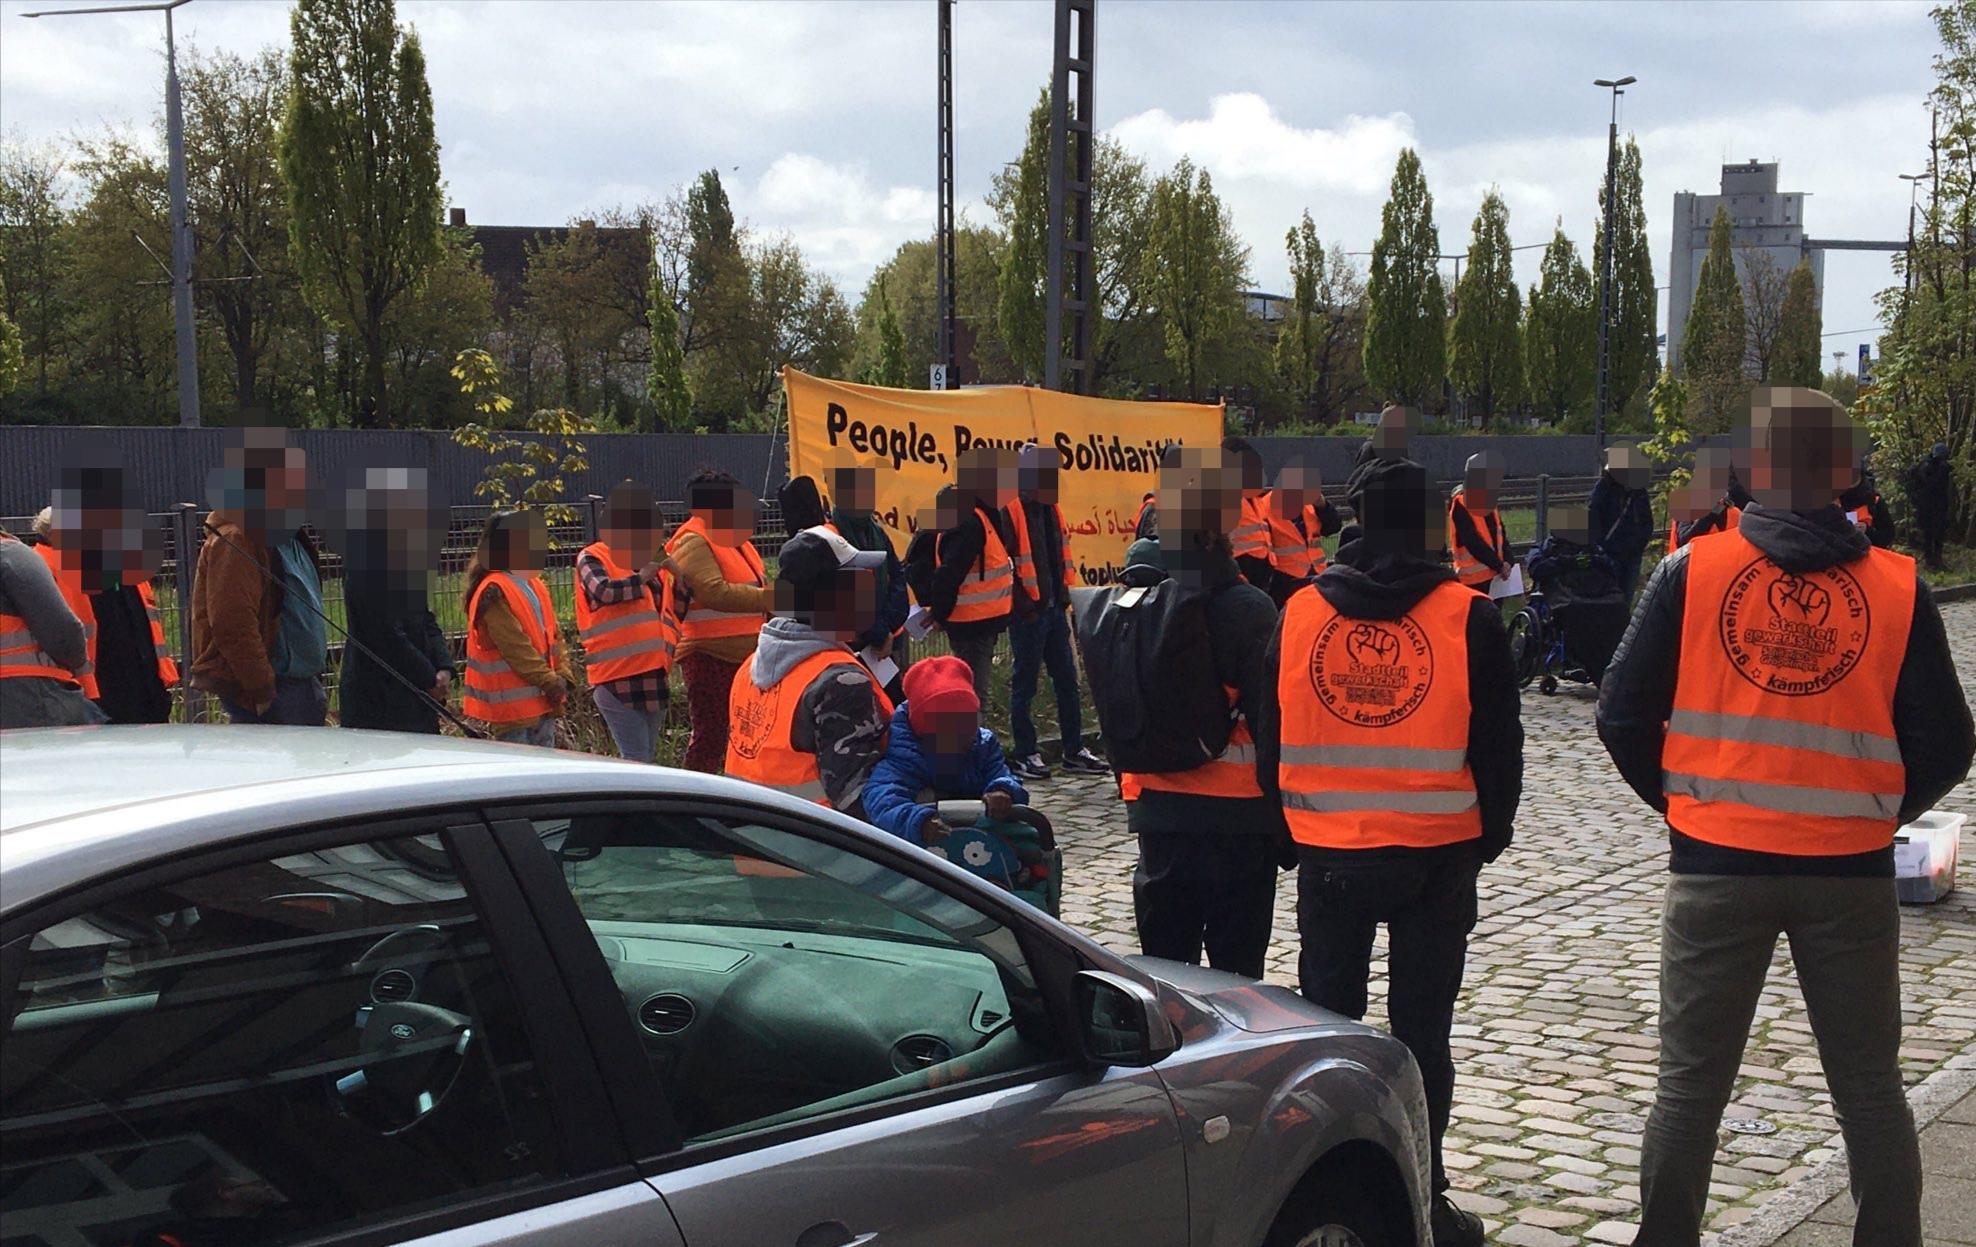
pixel 1195 890
pixel 1427 902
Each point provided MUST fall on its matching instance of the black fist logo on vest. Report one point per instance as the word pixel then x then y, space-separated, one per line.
pixel 753 722
pixel 1371 673
pixel 1794 634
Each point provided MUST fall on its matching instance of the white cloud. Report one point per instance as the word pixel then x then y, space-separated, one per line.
pixel 845 223
pixel 1243 137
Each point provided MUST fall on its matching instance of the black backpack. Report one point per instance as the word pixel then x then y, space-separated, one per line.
pixel 1161 706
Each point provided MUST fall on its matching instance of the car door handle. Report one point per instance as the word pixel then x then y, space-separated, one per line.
pixel 834 1234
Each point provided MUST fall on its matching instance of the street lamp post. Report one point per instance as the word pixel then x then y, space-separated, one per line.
pixel 188 341
pixel 1605 262
pixel 1914 181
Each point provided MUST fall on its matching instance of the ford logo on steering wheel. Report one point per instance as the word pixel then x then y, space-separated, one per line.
pixel 402 1030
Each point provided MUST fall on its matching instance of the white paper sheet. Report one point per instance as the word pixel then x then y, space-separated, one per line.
pixel 882 669
pixel 919 623
pixel 1508 586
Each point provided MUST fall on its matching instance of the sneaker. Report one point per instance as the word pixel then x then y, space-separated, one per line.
pixel 1453 1226
pixel 1031 767
pixel 1084 762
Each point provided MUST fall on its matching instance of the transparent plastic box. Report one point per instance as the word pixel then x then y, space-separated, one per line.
pixel 1925 857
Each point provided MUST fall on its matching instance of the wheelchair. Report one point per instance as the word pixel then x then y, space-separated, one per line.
pixel 1540 642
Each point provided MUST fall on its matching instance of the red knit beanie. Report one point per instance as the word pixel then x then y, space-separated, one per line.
pixel 937 684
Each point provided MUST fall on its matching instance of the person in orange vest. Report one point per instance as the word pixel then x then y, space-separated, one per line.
pixel 1392 739
pixel 808 717
pixel 1863 505
pixel 721 595
pixel 1299 520
pixel 1702 506
pixel 1146 521
pixel 515 680
pixel 1250 538
pixel 972 585
pixel 1475 536
pixel 41 644
pixel 1210 842
pixel 104 553
pixel 624 618
pixel 1045 573
pixel 1786 699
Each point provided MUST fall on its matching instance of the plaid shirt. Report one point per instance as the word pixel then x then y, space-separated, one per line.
pixel 643 692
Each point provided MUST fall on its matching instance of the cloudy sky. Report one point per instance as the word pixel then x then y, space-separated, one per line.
pixel 820 114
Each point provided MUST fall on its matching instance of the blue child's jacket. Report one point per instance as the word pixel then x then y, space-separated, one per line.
pixel 892 794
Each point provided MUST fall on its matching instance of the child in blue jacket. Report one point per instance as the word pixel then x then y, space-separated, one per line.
pixel 938 744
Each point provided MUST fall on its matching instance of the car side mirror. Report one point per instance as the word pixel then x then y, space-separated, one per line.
pixel 1121 1022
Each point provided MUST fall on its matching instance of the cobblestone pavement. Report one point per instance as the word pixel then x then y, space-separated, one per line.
pixel 1555 1033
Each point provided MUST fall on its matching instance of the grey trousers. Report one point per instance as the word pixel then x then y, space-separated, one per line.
pixel 1717 936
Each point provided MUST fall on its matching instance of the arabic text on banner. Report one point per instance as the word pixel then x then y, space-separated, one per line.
pixel 1110 449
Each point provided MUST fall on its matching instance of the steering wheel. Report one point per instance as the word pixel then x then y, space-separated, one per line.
pixel 412 1052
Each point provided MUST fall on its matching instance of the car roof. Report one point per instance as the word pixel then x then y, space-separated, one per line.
pixel 82 803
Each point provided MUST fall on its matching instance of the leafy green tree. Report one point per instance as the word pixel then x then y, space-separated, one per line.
pixel 1485 350
pixel 1713 345
pixel 521 471
pixel 1297 344
pixel 909 281
pixel 34 263
pixel 1124 340
pixel 1406 306
pixel 1634 356
pixel 361 163
pixel 890 366
pixel 450 311
pixel 10 347
pixel 665 378
pixel 1924 387
pixel 716 268
pixel 239 211
pixel 1799 331
pixel 121 344
pixel 1025 211
pixel 1195 270
pixel 1560 336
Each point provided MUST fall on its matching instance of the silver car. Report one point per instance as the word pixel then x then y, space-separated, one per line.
pixel 276 985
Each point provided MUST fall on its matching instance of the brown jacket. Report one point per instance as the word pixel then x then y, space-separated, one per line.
pixel 697 571
pixel 236 607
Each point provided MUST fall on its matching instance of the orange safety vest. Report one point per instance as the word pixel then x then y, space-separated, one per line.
pixel 990 592
pixel 1782 735
pixel 1470 570
pixel 1146 504
pixel 625 639
pixel 1231 774
pixel 762 725
pixel 1375 716
pixel 1731 518
pixel 740 564
pixel 1314 538
pixel 70 583
pixel 167 667
pixel 21 656
pixel 1862 516
pixel 1025 554
pixel 1250 540
pixel 493 692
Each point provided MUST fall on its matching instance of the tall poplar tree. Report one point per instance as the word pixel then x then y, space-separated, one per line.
pixel 1485 351
pixel 1799 332
pixel 1634 361
pixel 1297 346
pixel 665 375
pixel 1406 306
pixel 1560 335
pixel 1195 267
pixel 361 165
pixel 1713 348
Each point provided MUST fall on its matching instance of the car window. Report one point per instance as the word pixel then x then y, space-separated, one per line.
pixel 773 978
pixel 265 1052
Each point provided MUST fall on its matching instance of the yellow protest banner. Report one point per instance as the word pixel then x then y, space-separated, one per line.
pixel 1110 449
